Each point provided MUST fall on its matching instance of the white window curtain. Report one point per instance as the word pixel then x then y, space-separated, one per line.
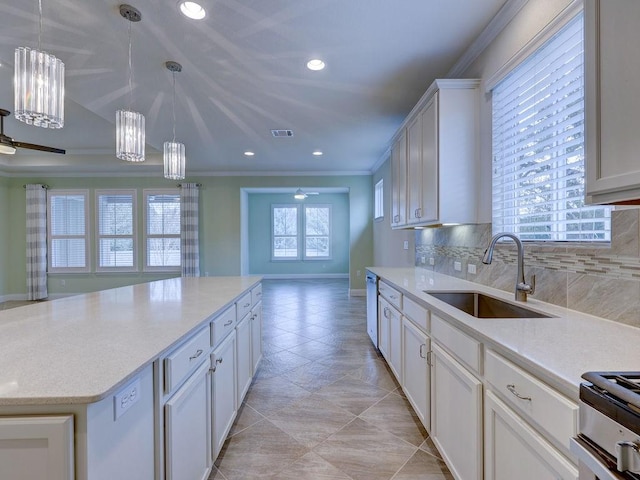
pixel 36 241
pixel 190 253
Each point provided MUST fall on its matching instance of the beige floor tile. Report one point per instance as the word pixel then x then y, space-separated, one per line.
pixel 269 395
pixel 313 350
pixel 376 373
pixel 352 395
pixel 258 451
pixel 313 376
pixel 246 417
pixel 311 467
pixel 215 474
pixel 395 415
pixel 311 420
pixel 430 448
pixel 422 466
pixel 364 452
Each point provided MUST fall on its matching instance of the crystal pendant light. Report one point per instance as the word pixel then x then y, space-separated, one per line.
pixel 129 124
pixel 174 158
pixel 38 85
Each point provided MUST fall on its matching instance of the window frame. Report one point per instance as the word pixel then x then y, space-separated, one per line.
pixel 298 256
pixel 134 230
pixel 87 232
pixel 146 193
pixel 305 236
pixel 378 200
pixel 561 214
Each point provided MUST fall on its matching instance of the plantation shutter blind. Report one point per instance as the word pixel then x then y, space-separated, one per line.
pixel 67 231
pixel 538 146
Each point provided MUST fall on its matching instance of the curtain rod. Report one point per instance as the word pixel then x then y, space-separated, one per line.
pixel 197 185
pixel 45 186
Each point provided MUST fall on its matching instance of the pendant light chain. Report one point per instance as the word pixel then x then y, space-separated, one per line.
pixel 173 104
pixel 40 25
pixel 130 72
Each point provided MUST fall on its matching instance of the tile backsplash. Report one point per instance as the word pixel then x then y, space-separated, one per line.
pixel 602 280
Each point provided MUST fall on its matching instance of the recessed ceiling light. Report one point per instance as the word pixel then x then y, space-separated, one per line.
pixel 192 10
pixel 315 64
pixel 317 153
pixel 249 153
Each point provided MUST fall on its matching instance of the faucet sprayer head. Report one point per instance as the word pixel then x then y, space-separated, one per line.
pixel 488 256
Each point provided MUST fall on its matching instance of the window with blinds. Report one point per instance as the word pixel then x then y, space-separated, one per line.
pixel 116 225
pixel 317 232
pixel 68 240
pixel 378 200
pixel 538 146
pixel 284 228
pixel 162 230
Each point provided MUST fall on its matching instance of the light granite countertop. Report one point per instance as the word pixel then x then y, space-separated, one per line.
pixel 78 349
pixel 558 350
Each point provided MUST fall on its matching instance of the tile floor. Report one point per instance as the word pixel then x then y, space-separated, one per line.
pixel 324 405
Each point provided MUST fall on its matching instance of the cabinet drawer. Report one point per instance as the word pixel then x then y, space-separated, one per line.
pixel 222 325
pixel 243 306
pixel 460 344
pixel 553 412
pixel 256 294
pixel 393 296
pixel 416 313
pixel 185 359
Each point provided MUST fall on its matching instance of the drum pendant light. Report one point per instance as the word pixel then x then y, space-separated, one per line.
pixel 174 156
pixel 130 139
pixel 38 85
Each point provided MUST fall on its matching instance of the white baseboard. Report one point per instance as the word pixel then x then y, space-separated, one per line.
pixel 357 292
pixel 293 276
pixel 13 297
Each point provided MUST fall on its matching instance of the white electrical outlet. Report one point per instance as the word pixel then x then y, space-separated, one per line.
pixel 126 398
pixel 358 273
pixel 471 268
pixel 457 266
pixel 406 244
pixel 423 259
pixel 432 261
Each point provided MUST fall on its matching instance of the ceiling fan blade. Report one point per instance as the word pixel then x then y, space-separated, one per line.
pixel 42 148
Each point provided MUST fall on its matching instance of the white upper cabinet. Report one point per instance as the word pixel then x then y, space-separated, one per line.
pixel 612 72
pixel 435 158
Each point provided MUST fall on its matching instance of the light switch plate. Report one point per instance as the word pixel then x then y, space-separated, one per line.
pixel 457 266
pixel 406 245
pixel 471 268
pixel 432 261
pixel 126 398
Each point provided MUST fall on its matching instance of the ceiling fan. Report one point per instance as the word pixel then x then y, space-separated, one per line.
pixel 8 145
pixel 300 195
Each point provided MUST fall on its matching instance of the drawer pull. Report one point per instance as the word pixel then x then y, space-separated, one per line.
pixel 246 305
pixel 228 323
pixel 422 354
pixel 259 294
pixel 386 312
pixel 197 354
pixel 218 360
pixel 512 389
pixel 429 358
pixel 213 369
pixel 393 297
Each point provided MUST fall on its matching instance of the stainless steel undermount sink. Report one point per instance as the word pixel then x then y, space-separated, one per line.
pixel 485 306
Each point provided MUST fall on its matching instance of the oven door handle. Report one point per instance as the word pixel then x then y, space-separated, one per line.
pixel 628 455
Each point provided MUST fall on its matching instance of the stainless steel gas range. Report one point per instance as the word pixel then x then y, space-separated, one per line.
pixel 608 445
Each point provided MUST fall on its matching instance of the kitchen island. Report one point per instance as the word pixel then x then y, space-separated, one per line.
pixel 100 371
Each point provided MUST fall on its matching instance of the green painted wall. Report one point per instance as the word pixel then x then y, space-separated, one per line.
pixel 219 229
pixel 260 235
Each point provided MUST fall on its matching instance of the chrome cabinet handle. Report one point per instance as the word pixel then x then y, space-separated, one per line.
pixel 628 456
pixel 386 312
pixel 421 354
pixel 429 358
pixel 219 360
pixel 228 323
pixel 197 354
pixel 213 369
pixel 512 389
pixel 246 305
pixel 418 213
pixel 393 297
pixel 396 219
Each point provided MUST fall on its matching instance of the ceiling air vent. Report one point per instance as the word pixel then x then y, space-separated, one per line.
pixel 282 133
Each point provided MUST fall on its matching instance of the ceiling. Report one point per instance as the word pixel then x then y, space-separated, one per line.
pixel 243 74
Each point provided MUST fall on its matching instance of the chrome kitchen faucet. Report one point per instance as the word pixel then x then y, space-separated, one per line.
pixel 522 287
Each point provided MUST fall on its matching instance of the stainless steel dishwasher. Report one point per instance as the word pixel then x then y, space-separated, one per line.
pixel 372 307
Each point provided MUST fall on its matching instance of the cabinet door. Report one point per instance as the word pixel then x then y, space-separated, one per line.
pixel 224 391
pixel 429 206
pixel 612 71
pixel 456 415
pixel 244 367
pixel 256 337
pixel 384 314
pixel 514 450
pixel 395 343
pixel 414 170
pixel 399 182
pixel 188 428
pixel 415 371
pixel 36 447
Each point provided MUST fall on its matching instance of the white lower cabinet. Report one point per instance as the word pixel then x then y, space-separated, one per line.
pixel 395 343
pixel 244 367
pixel 36 447
pixel 188 429
pixel 384 314
pixel 256 335
pixel 513 449
pixel 415 370
pixel 223 390
pixel 456 415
